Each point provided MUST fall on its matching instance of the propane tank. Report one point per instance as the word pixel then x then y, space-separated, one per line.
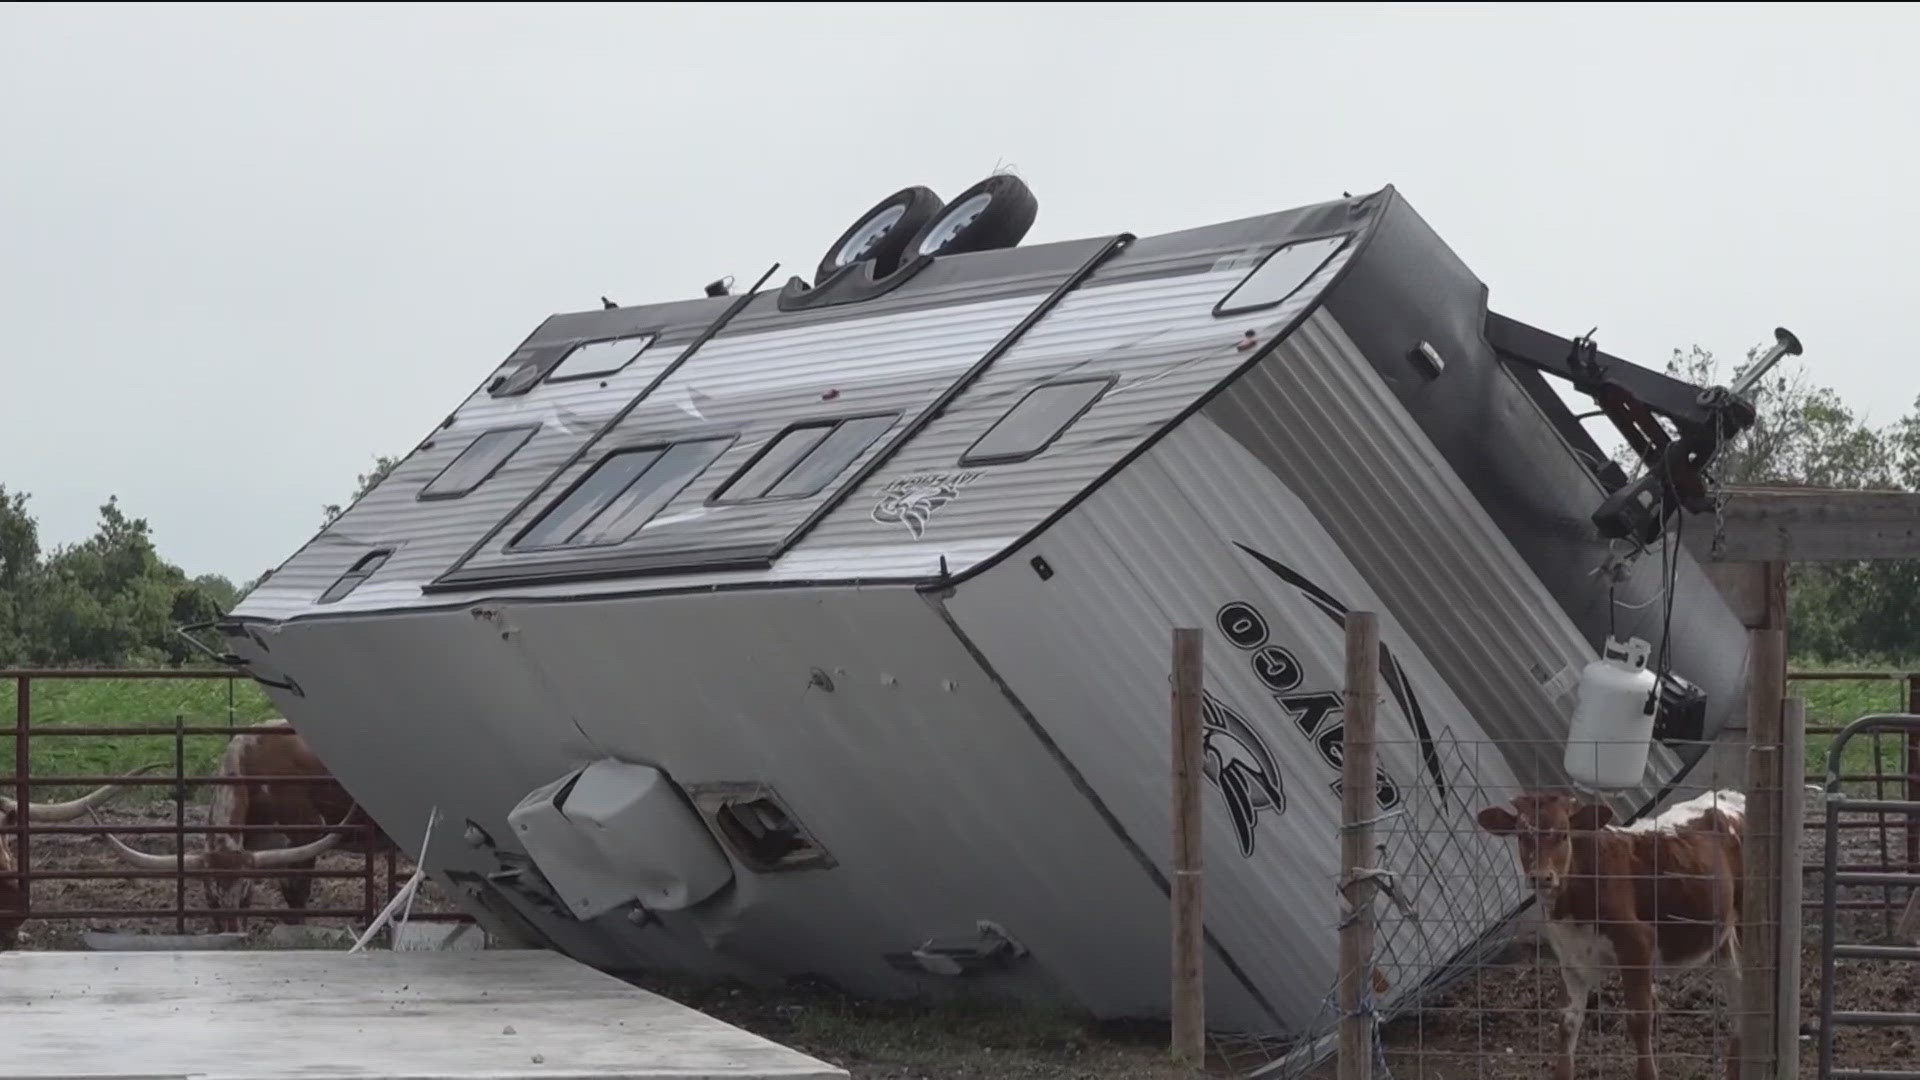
pixel 1612 727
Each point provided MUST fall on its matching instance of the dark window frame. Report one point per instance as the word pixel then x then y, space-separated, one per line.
pixel 831 423
pixel 427 494
pixel 968 457
pixel 514 547
pixel 358 574
pixel 1220 309
pixel 553 373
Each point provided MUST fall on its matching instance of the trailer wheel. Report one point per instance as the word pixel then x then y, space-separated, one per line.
pixel 994 213
pixel 882 234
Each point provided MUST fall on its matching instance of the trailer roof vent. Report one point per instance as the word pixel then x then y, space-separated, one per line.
pixel 1036 421
pixel 1280 275
pixel 591 358
pixel 361 570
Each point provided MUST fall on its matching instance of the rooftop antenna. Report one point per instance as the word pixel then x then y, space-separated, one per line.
pixel 721 287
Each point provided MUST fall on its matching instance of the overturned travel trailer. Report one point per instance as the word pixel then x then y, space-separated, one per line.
pixel 824 629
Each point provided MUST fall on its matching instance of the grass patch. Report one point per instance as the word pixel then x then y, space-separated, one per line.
pixel 1839 701
pixel 58 703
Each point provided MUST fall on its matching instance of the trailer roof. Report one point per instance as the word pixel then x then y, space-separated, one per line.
pixel 747 441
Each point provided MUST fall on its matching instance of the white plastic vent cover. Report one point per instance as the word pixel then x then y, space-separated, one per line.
pixel 613 833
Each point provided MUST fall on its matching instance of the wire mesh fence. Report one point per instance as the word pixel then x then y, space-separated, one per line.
pixel 1483 950
pixel 1533 931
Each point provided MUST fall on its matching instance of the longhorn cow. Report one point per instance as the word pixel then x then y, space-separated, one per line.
pixel 259 752
pixel 12 890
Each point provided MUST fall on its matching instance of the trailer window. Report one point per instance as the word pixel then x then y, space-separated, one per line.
pixel 593 358
pixel 1279 275
pixel 625 489
pixel 361 570
pixel 480 460
pixel 805 458
pixel 1035 421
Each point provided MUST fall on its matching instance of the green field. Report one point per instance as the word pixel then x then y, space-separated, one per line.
pixel 1836 702
pixel 58 703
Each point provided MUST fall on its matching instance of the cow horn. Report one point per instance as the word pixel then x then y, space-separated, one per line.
pixel 69 811
pixel 280 858
pixel 195 860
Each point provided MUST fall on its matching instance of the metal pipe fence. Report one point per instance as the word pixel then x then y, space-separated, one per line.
pixel 1885 841
pixel 373 846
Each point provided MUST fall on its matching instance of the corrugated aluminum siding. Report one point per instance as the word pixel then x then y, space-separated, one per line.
pixel 754 386
pixel 1087 651
pixel 1146 320
pixel 1318 415
pixel 426 537
pixel 1158 338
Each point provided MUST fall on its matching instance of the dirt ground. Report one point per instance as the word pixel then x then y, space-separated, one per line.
pixel 83 853
pixel 1495 1023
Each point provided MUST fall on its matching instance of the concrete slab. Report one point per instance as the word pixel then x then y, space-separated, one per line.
pixel 479 1015
pixel 438 937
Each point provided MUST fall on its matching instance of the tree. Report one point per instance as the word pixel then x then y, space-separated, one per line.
pixel 19 539
pixel 382 465
pixel 19 558
pixel 219 590
pixel 1805 435
pixel 110 600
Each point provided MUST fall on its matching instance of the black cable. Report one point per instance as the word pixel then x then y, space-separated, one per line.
pixel 1672 584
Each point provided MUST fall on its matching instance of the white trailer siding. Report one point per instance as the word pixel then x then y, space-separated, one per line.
pixel 1087 651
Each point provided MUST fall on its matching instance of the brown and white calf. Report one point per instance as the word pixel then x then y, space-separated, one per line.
pixel 1662 893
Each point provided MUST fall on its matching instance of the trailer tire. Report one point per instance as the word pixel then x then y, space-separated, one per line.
pixel 994 213
pixel 882 234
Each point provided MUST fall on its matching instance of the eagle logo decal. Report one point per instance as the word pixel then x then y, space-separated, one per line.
pixel 1238 764
pixel 912 500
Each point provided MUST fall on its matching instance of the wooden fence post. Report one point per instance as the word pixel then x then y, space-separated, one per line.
pixel 1761 919
pixel 1792 814
pixel 1189 933
pixel 1358 807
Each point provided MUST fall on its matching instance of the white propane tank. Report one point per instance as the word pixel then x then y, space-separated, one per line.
pixel 1612 727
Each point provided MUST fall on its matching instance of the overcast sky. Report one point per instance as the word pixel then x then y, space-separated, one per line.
pixel 245 248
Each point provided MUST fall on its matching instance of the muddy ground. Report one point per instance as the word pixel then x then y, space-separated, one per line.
pixel 1495 1023
pixel 91 853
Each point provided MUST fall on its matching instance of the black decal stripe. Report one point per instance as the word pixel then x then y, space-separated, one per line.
pixel 1239 807
pixel 1402 689
pixel 1320 597
pixel 1085 788
pixel 1396 678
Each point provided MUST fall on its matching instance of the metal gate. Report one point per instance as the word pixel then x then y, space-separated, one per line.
pixel 1833 877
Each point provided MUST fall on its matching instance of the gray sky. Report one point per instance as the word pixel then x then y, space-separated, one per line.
pixel 243 249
